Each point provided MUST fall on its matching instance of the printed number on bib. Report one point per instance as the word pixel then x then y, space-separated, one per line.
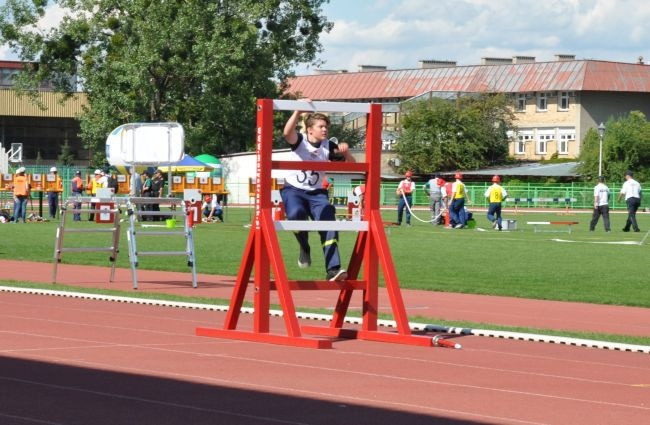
pixel 311 177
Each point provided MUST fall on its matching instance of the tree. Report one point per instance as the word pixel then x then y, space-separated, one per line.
pixel 66 157
pixel 467 133
pixel 626 146
pixel 354 137
pixel 201 63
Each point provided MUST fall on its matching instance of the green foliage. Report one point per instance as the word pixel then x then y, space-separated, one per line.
pixel 626 146
pixel 201 63
pixel 468 133
pixel 66 157
pixel 352 136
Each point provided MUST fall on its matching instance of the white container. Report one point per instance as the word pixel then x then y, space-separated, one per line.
pixel 509 225
pixel 146 143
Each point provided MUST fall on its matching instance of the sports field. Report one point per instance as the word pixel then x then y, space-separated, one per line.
pixel 133 359
pixel 593 267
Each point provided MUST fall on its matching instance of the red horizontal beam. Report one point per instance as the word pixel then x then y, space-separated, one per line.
pixel 264 337
pixel 309 285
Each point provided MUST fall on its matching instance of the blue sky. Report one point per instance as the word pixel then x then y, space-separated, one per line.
pixel 399 33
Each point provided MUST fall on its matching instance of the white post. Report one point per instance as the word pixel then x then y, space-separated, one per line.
pixel 601 133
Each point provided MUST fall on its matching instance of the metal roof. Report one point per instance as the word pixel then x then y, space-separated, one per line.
pixel 564 169
pixel 578 75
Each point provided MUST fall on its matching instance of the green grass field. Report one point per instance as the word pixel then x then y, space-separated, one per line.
pixel 594 267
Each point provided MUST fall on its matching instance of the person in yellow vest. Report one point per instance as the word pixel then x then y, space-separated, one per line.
pixel 21 188
pixel 457 207
pixel 53 195
pixel 93 185
pixel 495 195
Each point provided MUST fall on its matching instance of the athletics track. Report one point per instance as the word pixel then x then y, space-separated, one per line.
pixel 78 361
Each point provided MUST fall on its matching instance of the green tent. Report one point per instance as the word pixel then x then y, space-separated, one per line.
pixel 213 162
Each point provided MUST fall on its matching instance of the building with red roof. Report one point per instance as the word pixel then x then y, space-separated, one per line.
pixel 555 103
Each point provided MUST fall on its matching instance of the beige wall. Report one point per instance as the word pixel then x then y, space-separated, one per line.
pixel 552 120
pixel 20 106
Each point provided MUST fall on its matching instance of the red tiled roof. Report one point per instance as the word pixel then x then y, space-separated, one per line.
pixel 11 64
pixel 581 75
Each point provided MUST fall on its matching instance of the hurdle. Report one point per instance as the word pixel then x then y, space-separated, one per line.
pixel 262 252
pixel 567 202
pixel 178 208
pixel 106 210
pixel 536 225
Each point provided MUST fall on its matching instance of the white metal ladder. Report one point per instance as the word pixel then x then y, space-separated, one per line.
pixel 75 206
pixel 136 213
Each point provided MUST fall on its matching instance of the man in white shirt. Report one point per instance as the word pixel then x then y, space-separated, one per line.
pixel 212 208
pixel 631 190
pixel 303 194
pixel 404 192
pixel 601 205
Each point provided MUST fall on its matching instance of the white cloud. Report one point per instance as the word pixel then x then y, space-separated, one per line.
pixel 399 33
pixel 6 53
pixel 53 16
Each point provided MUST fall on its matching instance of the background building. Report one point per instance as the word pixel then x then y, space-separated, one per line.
pixel 41 131
pixel 555 102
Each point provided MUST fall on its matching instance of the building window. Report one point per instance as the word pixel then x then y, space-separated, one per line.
pixel 563 101
pixel 521 102
pixel 7 76
pixel 563 144
pixel 542 143
pixel 542 101
pixel 520 145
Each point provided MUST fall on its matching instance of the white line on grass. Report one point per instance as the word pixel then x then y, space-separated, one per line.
pixel 519 336
pixel 601 242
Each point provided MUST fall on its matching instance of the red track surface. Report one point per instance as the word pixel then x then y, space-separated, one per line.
pixel 449 306
pixel 73 361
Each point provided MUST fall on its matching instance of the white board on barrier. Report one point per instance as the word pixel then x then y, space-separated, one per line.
pixel 146 143
pixel 192 195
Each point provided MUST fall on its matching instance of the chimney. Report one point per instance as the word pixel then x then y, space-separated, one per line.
pixel 562 58
pixel 496 61
pixel 523 59
pixel 433 63
pixel 370 68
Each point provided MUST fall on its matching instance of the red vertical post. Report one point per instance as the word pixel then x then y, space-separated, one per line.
pixel 263 144
pixel 373 184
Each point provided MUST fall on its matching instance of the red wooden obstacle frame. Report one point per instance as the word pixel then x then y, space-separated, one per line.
pixel 262 251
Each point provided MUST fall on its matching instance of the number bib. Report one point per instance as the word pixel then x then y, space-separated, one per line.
pixel 305 151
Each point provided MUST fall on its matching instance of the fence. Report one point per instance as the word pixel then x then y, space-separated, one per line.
pixel 542 195
pixel 537 192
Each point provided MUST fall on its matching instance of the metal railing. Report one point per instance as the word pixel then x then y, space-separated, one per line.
pixel 581 192
pixel 552 196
